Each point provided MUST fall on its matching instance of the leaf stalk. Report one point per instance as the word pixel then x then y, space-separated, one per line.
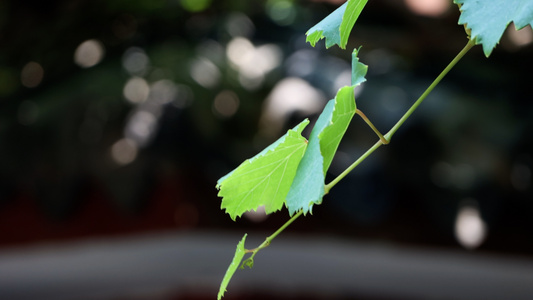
pixel 367 121
pixel 384 140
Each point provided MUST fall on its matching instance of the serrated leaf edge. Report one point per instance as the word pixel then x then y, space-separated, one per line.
pixel 295 133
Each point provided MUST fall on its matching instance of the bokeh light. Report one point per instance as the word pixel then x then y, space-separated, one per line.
pixel 141 127
pixel 136 90
pixel 520 38
pixel 205 72
pixel 283 12
pixel 163 91
pixel 301 63
pixel 429 8
pixel 226 104
pixel 32 74
pixel 195 5
pixel 184 96
pixel 89 53
pixel 257 216
pixel 470 229
pixel 239 25
pixel 135 61
pixel 252 63
pixel 288 96
pixel 124 151
pixel 239 51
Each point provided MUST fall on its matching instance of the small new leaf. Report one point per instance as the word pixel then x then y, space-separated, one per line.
pixel 336 27
pixel 358 69
pixel 487 20
pixel 239 254
pixel 266 178
pixel 249 262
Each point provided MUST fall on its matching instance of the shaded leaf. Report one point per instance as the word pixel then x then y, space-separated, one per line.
pixel 308 186
pixel 327 28
pixel 488 20
pixel 266 178
pixel 239 254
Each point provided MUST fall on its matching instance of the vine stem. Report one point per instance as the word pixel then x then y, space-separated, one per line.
pixel 450 66
pixel 387 137
pixel 352 166
pixel 269 239
pixel 384 140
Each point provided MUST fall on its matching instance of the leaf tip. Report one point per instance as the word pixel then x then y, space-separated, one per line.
pixel 359 69
pixel 313 37
pixel 237 258
pixel 221 294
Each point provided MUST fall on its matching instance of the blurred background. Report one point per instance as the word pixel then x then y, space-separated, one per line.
pixel 118 117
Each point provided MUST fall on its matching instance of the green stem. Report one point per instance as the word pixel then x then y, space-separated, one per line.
pixel 269 239
pixel 450 66
pixel 383 141
pixel 367 121
pixel 386 139
pixel 352 166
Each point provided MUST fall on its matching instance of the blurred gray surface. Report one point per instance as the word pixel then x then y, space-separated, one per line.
pixel 171 263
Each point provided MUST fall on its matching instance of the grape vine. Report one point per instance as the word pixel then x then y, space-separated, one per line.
pixel 291 171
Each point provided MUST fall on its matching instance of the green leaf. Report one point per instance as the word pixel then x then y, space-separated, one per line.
pixel 266 178
pixel 354 9
pixel 239 255
pixel 327 28
pixel 358 69
pixel 488 20
pixel 336 27
pixel 343 113
pixel 308 186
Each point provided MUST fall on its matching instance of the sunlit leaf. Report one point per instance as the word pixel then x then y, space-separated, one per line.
pixel 353 10
pixel 264 179
pixel 336 27
pixel 488 20
pixel 237 258
pixel 343 113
